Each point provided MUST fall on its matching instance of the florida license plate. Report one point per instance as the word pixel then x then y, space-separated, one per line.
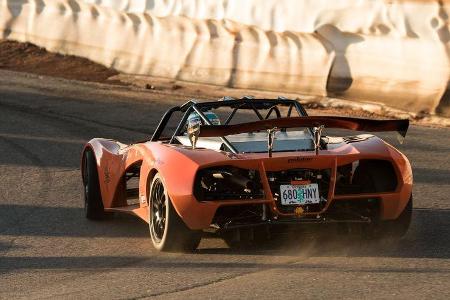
pixel 299 194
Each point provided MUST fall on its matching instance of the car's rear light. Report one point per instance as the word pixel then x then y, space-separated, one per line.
pixel 227 183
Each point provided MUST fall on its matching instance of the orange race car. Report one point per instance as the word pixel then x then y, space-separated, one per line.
pixel 245 166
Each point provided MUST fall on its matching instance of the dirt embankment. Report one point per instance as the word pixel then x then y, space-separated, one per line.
pixel 26 57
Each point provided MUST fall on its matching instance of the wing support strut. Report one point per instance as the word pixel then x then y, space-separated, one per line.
pixel 317 135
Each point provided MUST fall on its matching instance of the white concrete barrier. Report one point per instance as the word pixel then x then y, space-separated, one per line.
pixel 395 52
pixel 407 18
pixel 208 51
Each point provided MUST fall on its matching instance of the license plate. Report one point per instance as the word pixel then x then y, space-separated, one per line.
pixel 299 194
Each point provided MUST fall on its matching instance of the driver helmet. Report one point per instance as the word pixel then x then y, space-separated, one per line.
pixel 195 120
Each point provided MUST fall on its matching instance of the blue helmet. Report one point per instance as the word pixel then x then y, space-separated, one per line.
pixel 194 119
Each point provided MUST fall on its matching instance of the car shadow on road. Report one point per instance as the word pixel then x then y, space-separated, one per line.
pixel 24 220
pixel 427 238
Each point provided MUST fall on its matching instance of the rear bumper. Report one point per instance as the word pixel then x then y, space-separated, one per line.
pixel 292 222
pixel 200 215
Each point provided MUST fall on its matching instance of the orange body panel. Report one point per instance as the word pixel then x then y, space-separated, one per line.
pixel 178 166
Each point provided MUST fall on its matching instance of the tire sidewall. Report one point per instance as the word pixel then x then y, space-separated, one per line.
pixel 158 243
pixel 93 205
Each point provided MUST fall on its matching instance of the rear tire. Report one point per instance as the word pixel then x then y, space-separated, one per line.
pixel 247 238
pixel 374 178
pixel 167 230
pixel 391 229
pixel 93 204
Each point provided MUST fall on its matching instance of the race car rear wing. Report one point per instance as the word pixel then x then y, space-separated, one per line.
pixel 317 123
pixel 359 124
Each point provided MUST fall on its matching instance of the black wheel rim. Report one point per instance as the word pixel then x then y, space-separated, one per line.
pixel 158 210
pixel 86 182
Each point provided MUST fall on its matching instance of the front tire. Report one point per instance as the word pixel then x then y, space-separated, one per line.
pixel 93 204
pixel 167 230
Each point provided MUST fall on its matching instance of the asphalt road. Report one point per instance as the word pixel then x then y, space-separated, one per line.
pixel 48 249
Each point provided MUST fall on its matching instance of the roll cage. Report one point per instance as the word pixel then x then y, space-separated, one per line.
pixel 248 103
